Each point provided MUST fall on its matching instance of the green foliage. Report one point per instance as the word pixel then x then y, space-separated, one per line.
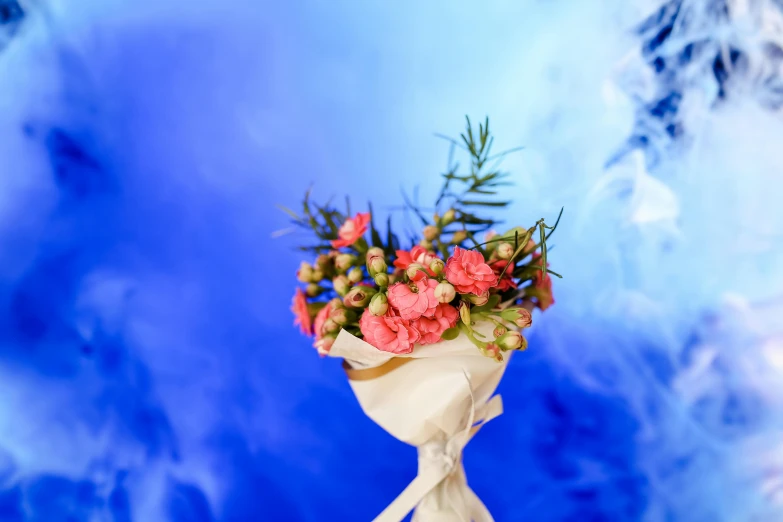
pixel 471 192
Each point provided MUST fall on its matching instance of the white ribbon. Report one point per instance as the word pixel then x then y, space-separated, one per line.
pixel 441 476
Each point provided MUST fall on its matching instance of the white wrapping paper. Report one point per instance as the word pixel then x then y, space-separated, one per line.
pixel 435 401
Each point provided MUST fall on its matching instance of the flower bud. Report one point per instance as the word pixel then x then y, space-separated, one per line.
pixel 511 341
pixel 359 296
pixel 379 304
pixel 305 272
pixel 464 312
pixel 323 261
pixel 490 235
pixel 426 244
pixel 415 272
pixel 525 320
pixel 437 266
pixel 344 262
pixel 382 280
pixel 445 292
pixel 374 252
pixel 436 217
pixel 331 326
pixel 313 290
pixel 341 284
pixel 336 303
pixel 318 275
pixel 478 300
pixel 493 351
pixel 459 237
pixel 498 331
pixel 342 315
pixel 376 265
pixel 355 274
pixel 431 232
pixel 505 250
pixel 448 217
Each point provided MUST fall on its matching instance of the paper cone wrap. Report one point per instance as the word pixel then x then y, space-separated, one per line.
pixel 434 398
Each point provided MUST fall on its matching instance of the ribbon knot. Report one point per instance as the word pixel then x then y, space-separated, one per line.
pixel 442 455
pixel 439 459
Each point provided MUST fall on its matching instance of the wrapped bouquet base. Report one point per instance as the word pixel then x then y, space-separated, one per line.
pixel 435 398
pixel 426 331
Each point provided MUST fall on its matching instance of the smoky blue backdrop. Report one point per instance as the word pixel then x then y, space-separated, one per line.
pixel 149 369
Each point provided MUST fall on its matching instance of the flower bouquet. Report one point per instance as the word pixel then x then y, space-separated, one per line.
pixel 426 331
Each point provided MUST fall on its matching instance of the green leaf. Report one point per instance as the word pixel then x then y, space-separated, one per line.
pixel 510 315
pixel 390 238
pixel 374 234
pixel 451 333
pixel 552 230
pixel 414 209
pixel 288 211
pixel 485 203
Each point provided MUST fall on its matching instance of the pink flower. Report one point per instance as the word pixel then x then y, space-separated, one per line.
pixel 323 345
pixel 301 314
pixel 388 333
pixel 506 282
pixel 352 230
pixel 431 329
pixel 320 319
pixel 543 286
pixel 418 254
pixel 469 273
pixel 414 300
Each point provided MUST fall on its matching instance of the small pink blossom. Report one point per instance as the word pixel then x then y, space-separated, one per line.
pixel 320 319
pixel 417 254
pixel 323 345
pixel 301 314
pixel 506 282
pixel 431 329
pixel 388 333
pixel 352 230
pixel 543 287
pixel 414 300
pixel 469 273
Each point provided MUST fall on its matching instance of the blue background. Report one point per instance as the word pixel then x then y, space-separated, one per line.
pixel 149 370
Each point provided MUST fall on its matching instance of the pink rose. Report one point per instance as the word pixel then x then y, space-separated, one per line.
pixel 352 230
pixel 388 333
pixel 414 300
pixel 431 329
pixel 320 319
pixel 468 272
pixel 301 314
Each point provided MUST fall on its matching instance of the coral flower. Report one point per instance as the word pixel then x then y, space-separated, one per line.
pixel 301 314
pixel 431 329
pixel 506 282
pixel 417 254
pixel 469 273
pixel 320 319
pixel 352 230
pixel 543 285
pixel 414 300
pixel 388 333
